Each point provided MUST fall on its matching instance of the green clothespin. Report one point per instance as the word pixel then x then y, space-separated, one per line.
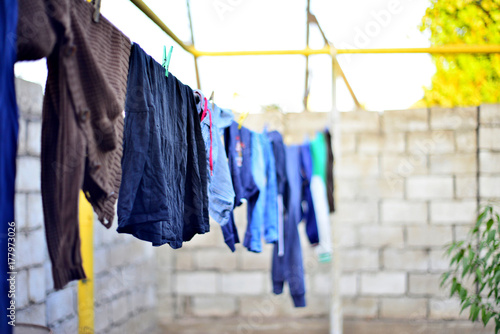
pixel 166 59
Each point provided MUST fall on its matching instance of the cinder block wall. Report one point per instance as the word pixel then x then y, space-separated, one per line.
pixel 125 275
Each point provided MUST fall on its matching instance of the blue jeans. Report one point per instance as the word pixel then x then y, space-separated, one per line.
pixel 265 207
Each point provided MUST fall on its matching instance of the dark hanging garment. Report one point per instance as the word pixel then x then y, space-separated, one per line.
pixel 82 122
pixel 308 213
pixel 9 128
pixel 163 196
pixel 329 171
pixel 238 149
pixel 289 266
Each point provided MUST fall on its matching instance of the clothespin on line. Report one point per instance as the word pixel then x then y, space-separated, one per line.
pixel 97 9
pixel 166 58
pixel 242 118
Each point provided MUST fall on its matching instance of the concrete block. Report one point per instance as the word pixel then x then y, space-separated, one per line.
pixel 489 138
pixel 466 187
pixel 431 142
pixel 466 141
pixel 403 165
pixel 119 310
pixel 118 255
pixel 394 142
pixel 429 187
pixel 348 143
pixel 321 283
pixel 381 236
pixel 489 114
pixel 403 212
pixel 30 248
pixel 29 97
pixel 36 284
pixel 166 309
pixel 20 214
pixel 357 166
pixel 489 186
pixel 446 309
pixel 359 260
pixel 357 212
pixel 248 283
pixel 460 232
pixel 22 137
pixel 49 282
pixel 191 283
pixel 269 306
pixel 453 163
pixel 28 174
pixel 215 259
pixel 403 308
pixel 35 211
pixel 410 260
pixel 390 187
pixel 59 305
pixel 347 236
pixel 102 318
pixel 383 283
pixel 359 121
pixel 453 212
pixel 364 189
pixel 215 306
pixel 255 261
pixel 22 289
pixel 438 260
pixel 405 120
pixel 349 284
pixel 456 118
pixel 100 261
pixel 34 314
pixel 360 307
pixel 489 162
pixel 33 144
pixel 426 285
pixel 370 143
pixel 67 326
pixel 429 236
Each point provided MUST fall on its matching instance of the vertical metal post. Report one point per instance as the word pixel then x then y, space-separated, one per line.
pixel 198 82
pixel 86 286
pixel 336 317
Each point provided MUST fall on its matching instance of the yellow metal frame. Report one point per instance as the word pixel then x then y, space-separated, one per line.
pixel 86 286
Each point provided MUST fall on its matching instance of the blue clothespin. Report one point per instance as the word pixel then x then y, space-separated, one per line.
pixel 166 59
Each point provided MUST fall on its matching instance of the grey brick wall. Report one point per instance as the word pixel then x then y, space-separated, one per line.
pixel 125 274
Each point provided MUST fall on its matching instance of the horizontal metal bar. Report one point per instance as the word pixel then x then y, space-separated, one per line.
pixel 470 49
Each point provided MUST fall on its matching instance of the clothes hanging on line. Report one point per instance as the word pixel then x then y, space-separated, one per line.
pixel 221 192
pixel 163 195
pixel 82 125
pixel 9 128
pixel 238 143
pixel 264 208
pixel 329 171
pixel 288 267
pixel 308 211
pixel 319 195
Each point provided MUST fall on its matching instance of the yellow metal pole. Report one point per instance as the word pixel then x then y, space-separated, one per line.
pixel 86 286
pixel 151 14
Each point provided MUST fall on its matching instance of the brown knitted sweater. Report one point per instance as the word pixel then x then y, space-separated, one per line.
pixel 82 126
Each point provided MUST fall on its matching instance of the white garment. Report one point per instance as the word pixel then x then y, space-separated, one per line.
pixel 322 211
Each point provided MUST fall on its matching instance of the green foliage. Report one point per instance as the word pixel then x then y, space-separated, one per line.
pixel 462 80
pixel 474 274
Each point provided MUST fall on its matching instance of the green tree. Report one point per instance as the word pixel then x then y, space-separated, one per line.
pixel 463 80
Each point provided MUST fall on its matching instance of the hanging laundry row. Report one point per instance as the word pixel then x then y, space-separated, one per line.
pixel 172 162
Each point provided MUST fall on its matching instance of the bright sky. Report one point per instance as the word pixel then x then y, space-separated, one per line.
pixel 381 82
